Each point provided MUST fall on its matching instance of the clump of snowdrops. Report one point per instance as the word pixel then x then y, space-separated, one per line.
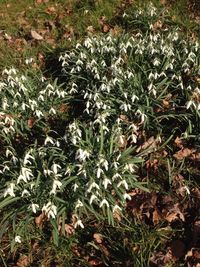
pixel 124 86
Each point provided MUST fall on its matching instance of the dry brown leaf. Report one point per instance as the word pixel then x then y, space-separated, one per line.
pixel 157 25
pixel 23 261
pixel 151 143
pixel 106 28
pixel 50 10
pixel 122 141
pixel 156 217
pixel 31 122
pixel 69 229
pixel 166 103
pixel 40 219
pixel 90 29
pixel 117 215
pixel 178 142
pixel 183 153
pixel 98 238
pixel 36 35
pixel 175 214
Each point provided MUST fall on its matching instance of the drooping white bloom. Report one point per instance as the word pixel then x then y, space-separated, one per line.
pixel 82 155
pixel 34 207
pixel 50 209
pixel 27 158
pixel 18 239
pixel 126 196
pixel 116 207
pixel 26 175
pixel 79 204
pixel 78 223
pixel 106 182
pixel 92 198
pixel 10 190
pixel 104 202
pixel 56 185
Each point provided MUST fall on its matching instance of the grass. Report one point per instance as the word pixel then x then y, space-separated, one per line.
pixel 144 232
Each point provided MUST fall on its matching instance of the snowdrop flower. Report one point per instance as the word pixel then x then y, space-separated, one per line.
pixel 27 159
pixel 34 207
pixel 82 155
pixel 26 175
pixel 93 185
pixel 99 172
pixel 55 168
pixel 18 239
pixel 104 202
pixel 79 204
pixel 25 192
pixel 75 187
pixel 92 198
pixel 106 182
pixel 124 183
pixel 126 196
pixel 116 208
pixel 79 223
pixel 52 111
pixel 10 190
pixel 56 185
pixel 50 209
pixel 48 140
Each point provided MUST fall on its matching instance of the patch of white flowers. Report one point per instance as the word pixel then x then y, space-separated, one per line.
pixel 120 81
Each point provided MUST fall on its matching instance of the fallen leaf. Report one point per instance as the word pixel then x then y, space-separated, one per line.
pixel 90 29
pixel 98 238
pixel 156 217
pixel 36 35
pixel 183 153
pixel 50 10
pixel 157 25
pixel 106 28
pixel 122 141
pixel 178 142
pixel 31 122
pixel 40 219
pixel 175 214
pixel 69 229
pixel 23 261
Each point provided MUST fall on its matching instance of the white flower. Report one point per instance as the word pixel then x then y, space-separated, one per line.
pixel 25 192
pixel 55 168
pixel 81 154
pixel 50 209
pixel 25 175
pixel 56 184
pixel 106 182
pixel 18 239
pixel 48 140
pixel 104 202
pixel 26 159
pixel 75 187
pixel 78 223
pixel 126 196
pixel 93 185
pixel 10 190
pixel 92 198
pixel 79 204
pixel 116 207
pixel 124 183
pixel 99 171
pixel 52 111
pixel 34 207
